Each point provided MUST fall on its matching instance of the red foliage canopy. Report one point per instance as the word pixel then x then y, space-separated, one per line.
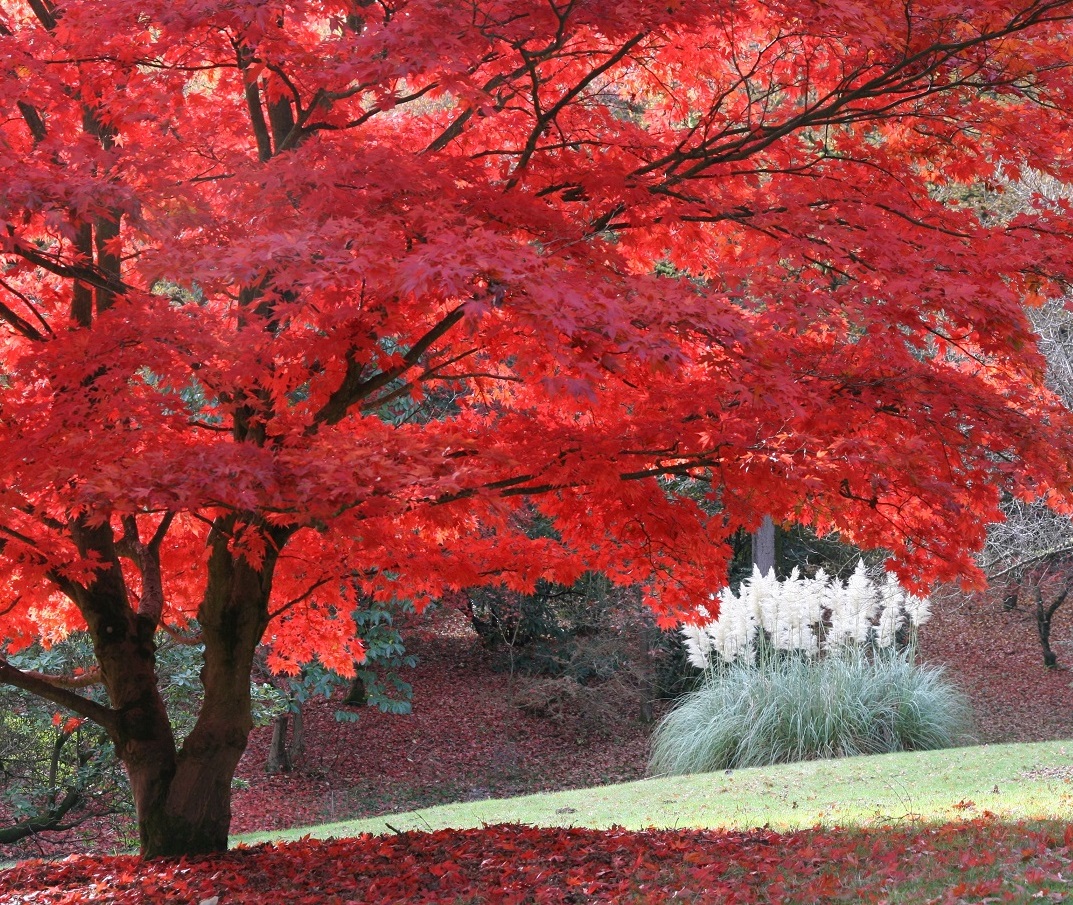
pixel 405 255
pixel 302 300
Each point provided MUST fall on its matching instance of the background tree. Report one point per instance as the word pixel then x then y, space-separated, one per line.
pixel 236 234
pixel 1030 552
pixel 376 682
pixel 1029 557
pixel 763 546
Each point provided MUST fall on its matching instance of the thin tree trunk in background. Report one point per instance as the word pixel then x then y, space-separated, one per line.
pixel 357 695
pixel 297 747
pixel 648 636
pixel 764 546
pixel 279 760
pixel 1044 615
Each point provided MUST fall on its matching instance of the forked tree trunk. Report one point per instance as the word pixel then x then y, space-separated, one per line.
pixel 287 747
pixel 191 814
pixel 183 799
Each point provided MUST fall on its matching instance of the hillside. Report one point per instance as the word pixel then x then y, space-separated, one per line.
pixel 465 740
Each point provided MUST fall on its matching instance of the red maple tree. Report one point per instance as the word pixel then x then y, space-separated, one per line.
pixel 309 300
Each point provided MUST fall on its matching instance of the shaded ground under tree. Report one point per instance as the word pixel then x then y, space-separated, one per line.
pixel 465 741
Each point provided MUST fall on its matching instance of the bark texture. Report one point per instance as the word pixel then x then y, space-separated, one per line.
pixel 764 546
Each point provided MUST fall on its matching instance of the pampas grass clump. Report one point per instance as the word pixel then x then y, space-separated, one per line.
pixel 808 668
pixel 790 708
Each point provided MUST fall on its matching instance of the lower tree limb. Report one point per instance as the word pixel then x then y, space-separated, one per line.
pixel 49 821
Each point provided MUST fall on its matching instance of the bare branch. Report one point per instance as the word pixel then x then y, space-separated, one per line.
pixel 1032 560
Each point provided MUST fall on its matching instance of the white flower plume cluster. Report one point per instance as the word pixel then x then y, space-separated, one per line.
pixel 804 614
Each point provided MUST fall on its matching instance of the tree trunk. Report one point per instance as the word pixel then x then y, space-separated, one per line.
pixel 297 747
pixel 647 638
pixel 764 546
pixel 1009 601
pixel 357 695
pixel 284 754
pixel 184 806
pixel 193 814
pixel 1044 615
pixel 183 800
pixel 279 760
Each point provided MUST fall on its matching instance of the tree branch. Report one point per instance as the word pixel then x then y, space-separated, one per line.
pixel 45 12
pixel 86 680
pixel 147 558
pixel 84 273
pixel 21 325
pixel 50 821
pixel 1040 557
pixel 353 389
pixel 905 79
pixel 179 637
pixel 34 121
pixel 35 684
pixel 297 600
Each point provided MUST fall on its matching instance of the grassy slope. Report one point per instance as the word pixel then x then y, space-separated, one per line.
pixel 1028 781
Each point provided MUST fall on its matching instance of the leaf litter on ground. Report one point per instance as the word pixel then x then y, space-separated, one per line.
pixel 970 861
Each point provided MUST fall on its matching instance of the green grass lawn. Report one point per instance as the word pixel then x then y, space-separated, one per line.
pixel 1013 782
pixel 958 827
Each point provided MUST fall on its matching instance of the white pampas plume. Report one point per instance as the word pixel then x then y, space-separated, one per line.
pixel 697 645
pixel 918 609
pixel 732 634
pixel 891 617
pixel 852 609
pixel 791 615
pixel 797 613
